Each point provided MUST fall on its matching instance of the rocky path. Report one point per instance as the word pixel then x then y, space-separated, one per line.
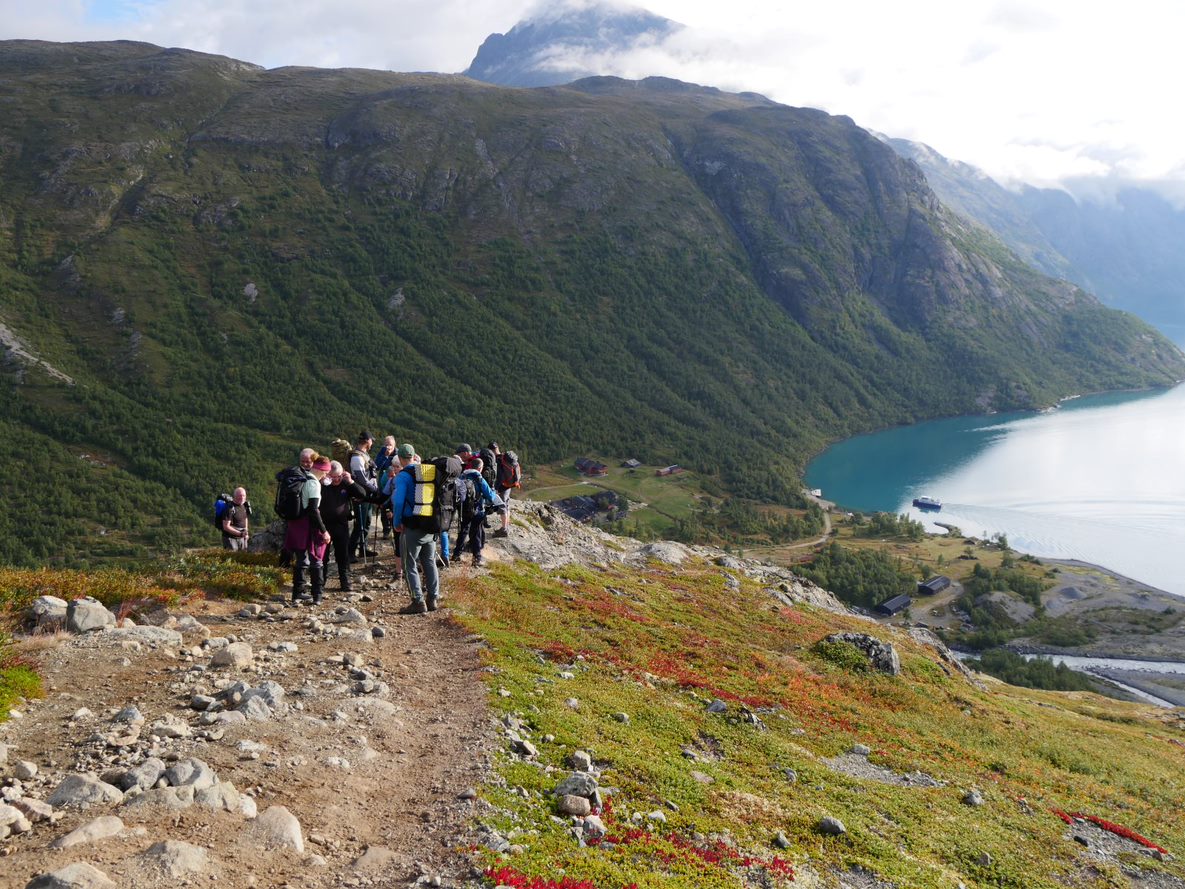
pixel 250 746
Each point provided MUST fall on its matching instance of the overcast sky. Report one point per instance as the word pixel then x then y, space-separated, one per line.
pixel 1030 90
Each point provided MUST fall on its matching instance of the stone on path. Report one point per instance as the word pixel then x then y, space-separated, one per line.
pixel 278 828
pixel 72 876
pixel 79 791
pixel 190 772
pixel 236 654
pixel 13 820
pixel 375 858
pixel 91 832
pixel 176 859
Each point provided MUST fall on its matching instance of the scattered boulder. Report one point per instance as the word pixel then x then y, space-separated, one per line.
pixel 717 706
pixel 235 655
pixel 91 832
pixel 781 840
pixel 175 859
pixel 190 772
pixel 80 791
pixel 12 820
pixel 665 551
pixel 87 615
pixel 570 804
pixel 48 612
pixel 580 761
pixel 278 828
pixel 882 656
pixel 166 798
pixel 35 810
pixel 222 795
pixel 375 859
pixel 72 876
pixel 24 770
pixel 577 784
pixel 594 828
pixel 860 750
pixel 973 798
pixel 831 826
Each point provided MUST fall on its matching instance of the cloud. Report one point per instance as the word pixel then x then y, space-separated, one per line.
pixel 1037 91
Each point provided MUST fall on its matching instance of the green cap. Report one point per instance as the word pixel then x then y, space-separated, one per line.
pixel 406 450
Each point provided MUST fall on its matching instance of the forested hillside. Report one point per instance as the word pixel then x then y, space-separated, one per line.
pixel 204 265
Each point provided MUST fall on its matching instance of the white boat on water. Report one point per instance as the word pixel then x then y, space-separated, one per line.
pixel 927 503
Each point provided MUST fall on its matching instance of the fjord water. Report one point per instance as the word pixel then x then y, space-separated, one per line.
pixel 1101 479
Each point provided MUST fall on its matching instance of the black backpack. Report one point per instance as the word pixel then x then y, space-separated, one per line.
pixel 489 467
pixel 434 512
pixel 469 498
pixel 289 485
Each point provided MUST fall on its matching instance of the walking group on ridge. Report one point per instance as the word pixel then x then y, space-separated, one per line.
pixel 419 504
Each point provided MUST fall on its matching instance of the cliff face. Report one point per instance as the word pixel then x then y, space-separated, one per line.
pixel 231 262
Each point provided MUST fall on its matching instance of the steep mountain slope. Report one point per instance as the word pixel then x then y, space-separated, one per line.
pixel 564 44
pixel 1125 247
pixel 229 262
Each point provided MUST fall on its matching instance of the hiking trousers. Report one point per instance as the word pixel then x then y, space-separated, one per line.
pixel 473 532
pixel 339 533
pixel 305 561
pixel 419 556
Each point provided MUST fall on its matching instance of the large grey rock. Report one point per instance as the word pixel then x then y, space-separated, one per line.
pixel 277 828
pixel 832 826
pixel 13 820
pixel 143 776
pixel 577 784
pixel 150 635
pixel 72 876
pixel 175 859
pixel 570 804
pixel 88 615
pixel 271 693
pixel 256 709
pixel 170 799
pixel 236 655
pixel 665 551
pixel 91 832
pixel 881 655
pixel 34 809
pixel 222 795
pixel 190 772
pixel 80 791
pixel 48 612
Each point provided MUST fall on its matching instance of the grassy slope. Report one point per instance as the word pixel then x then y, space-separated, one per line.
pixel 659 643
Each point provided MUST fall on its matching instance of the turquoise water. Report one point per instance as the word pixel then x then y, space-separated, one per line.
pixel 1100 479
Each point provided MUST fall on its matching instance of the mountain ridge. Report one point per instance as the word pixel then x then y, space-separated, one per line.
pixel 234 262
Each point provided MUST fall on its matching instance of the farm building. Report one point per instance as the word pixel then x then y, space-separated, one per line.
pixel 673 469
pixel 935 584
pixel 585 466
pixel 893 606
pixel 632 464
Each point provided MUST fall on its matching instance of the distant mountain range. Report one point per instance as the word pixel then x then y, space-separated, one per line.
pixel 563 46
pixel 1128 249
pixel 204 265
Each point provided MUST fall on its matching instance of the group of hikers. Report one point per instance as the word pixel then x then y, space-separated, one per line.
pixel 418 503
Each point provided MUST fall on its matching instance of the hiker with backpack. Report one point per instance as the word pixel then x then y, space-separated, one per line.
pixel 232 515
pixel 509 477
pixel 298 499
pixel 474 495
pixel 362 472
pixel 423 503
pixel 383 461
pixel 338 493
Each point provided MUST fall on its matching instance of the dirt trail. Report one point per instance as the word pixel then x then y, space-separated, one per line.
pixel 383 770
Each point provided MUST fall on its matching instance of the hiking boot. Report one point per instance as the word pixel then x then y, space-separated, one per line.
pixel 457 557
pixel 502 532
pixel 416 607
pixel 386 534
pixel 478 561
pixel 432 602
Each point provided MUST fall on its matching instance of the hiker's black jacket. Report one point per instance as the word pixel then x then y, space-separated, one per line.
pixel 337 501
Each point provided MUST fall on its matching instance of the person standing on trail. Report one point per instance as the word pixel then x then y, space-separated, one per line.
pixel 418 547
pixel 472 518
pixel 362 472
pixel 383 462
pixel 510 476
pixel 338 493
pixel 235 522
pixel 307 536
